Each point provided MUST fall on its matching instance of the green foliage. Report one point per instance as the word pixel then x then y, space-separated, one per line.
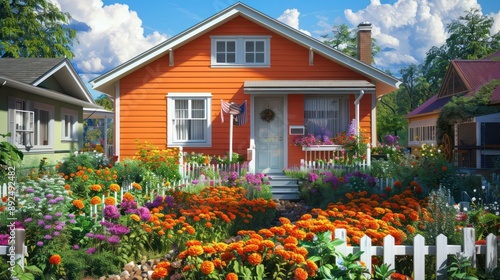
pixel 76 161
pixel 10 156
pixel 104 263
pixel 73 265
pixel 323 253
pixel 461 268
pixel 463 108
pixel 443 218
pixel 34 29
pixel 382 272
pixel 469 38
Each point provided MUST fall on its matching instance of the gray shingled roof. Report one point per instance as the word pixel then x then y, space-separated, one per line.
pixel 27 70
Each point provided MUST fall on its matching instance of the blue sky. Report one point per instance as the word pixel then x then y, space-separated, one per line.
pixel 112 32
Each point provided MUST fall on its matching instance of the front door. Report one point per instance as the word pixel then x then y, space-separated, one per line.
pixel 269 134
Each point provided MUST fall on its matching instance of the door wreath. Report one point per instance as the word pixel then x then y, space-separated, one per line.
pixel 267 115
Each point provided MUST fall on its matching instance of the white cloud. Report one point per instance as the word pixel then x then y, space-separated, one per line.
pixel 115 35
pixel 496 25
pixel 291 17
pixel 407 29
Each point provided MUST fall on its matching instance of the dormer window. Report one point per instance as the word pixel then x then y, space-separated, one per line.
pixel 248 51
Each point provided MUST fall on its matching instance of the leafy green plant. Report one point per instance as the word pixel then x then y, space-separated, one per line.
pixel 322 252
pixel 461 268
pixel 382 272
pixel 10 156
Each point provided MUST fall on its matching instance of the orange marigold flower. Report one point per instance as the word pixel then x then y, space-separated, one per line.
pixel 67 187
pixel 398 184
pixel 96 188
pixel 300 274
pixel 207 267
pixel 231 276
pixel 159 273
pixel 251 248
pixel 135 217
pixel 254 258
pixel 55 259
pixel 195 250
pixel 95 200
pixel 110 201
pixel 78 203
pixel 128 196
pixel 136 186
pixel 114 187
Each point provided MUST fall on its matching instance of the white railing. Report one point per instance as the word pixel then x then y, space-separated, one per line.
pixel 419 250
pixel 330 156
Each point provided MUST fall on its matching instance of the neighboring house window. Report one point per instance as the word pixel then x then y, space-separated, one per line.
pixel 422 133
pixel 69 123
pixel 326 115
pixel 189 116
pixel 240 51
pixel 31 123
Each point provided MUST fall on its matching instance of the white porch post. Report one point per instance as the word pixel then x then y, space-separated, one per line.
pixel 356 108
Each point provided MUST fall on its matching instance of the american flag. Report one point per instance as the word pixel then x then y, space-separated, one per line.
pixel 239 112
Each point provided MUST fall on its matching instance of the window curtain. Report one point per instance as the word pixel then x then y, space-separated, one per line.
pixel 327 115
pixel 190 121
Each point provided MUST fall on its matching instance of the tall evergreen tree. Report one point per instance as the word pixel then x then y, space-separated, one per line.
pixel 34 28
pixel 345 40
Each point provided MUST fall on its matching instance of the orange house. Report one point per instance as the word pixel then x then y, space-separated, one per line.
pixel 172 94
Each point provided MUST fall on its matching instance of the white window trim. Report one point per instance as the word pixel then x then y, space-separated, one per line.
pixel 240 51
pixel 73 126
pixel 171 115
pixel 417 127
pixel 50 144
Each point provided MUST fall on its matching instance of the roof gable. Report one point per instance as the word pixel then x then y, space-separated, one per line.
pixel 105 82
pixel 50 73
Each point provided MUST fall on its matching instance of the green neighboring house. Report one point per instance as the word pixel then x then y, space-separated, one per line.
pixel 42 103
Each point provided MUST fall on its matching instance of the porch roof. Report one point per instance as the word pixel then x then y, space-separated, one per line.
pixel 308 86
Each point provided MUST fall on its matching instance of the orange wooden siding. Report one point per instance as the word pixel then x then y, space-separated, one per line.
pixel 143 92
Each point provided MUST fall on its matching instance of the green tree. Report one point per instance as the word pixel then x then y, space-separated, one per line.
pixel 345 40
pixel 105 102
pixel 469 38
pixel 35 28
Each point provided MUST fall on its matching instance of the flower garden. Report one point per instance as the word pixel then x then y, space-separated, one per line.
pixel 89 217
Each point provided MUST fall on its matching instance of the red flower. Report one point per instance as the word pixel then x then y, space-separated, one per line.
pixel 55 259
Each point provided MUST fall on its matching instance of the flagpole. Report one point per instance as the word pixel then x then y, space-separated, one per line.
pixel 230 137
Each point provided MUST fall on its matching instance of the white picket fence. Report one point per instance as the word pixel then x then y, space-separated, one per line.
pixel 16 255
pixel 331 157
pixel 419 250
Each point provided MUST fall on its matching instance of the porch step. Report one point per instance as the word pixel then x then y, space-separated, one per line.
pixel 283 187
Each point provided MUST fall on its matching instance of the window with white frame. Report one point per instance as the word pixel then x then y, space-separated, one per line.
pixel 31 123
pixel 189 119
pixel 326 115
pixel 69 124
pixel 239 51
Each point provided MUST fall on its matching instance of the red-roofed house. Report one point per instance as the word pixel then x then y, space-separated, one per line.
pixel 476 143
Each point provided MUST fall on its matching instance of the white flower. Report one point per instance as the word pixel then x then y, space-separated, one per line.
pixel 465 209
pixel 483 187
pixel 474 199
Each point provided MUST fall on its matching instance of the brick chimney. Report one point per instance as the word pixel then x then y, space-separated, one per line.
pixel 365 42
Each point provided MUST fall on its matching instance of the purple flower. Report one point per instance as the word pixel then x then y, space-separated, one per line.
pixel 59 198
pixel 56 233
pixel 111 212
pixel 114 239
pixel 72 221
pixel 28 220
pixel 30 190
pixel 90 251
pixel 52 201
pixel 71 216
pixel 40 223
pixel 58 214
pixel 4 239
pixel 144 214
pixel 76 247
pixel 47 217
pixel 47 236
pixel 195 182
pixel 49 196
pixel 99 236
pixel 59 227
pixel 36 199
pixel 352 128
pixel 118 229
pixel 47 227
pixel 39 243
pixel 89 235
pixel 312 177
pixel 128 206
